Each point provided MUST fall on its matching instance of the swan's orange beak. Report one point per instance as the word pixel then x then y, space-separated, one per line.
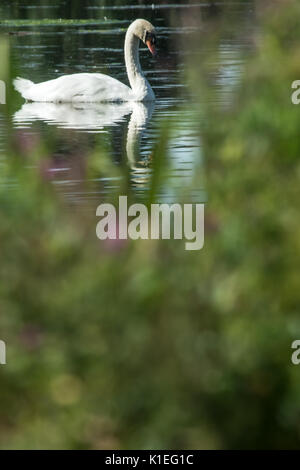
pixel 151 47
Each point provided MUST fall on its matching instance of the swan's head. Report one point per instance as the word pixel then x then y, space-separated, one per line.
pixel 146 32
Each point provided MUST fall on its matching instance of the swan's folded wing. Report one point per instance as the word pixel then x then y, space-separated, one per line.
pixel 81 87
pixel 100 88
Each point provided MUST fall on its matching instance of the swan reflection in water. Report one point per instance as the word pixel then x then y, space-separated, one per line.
pixel 80 123
pixel 93 118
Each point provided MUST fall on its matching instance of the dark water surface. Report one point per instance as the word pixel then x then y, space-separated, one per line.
pixel 110 146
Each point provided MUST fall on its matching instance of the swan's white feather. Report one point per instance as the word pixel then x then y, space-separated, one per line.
pixel 75 88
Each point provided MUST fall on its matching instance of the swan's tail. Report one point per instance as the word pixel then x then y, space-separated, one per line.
pixel 22 85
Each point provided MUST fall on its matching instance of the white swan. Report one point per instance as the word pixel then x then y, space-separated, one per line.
pixel 97 87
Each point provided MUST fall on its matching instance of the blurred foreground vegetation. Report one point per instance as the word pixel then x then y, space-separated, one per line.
pixel 143 344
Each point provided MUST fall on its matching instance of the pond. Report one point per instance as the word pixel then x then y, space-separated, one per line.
pixel 96 151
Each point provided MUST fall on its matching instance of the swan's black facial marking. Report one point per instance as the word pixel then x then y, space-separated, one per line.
pixel 149 36
pixel 150 41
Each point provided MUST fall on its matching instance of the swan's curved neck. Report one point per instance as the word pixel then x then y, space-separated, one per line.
pixel 138 82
